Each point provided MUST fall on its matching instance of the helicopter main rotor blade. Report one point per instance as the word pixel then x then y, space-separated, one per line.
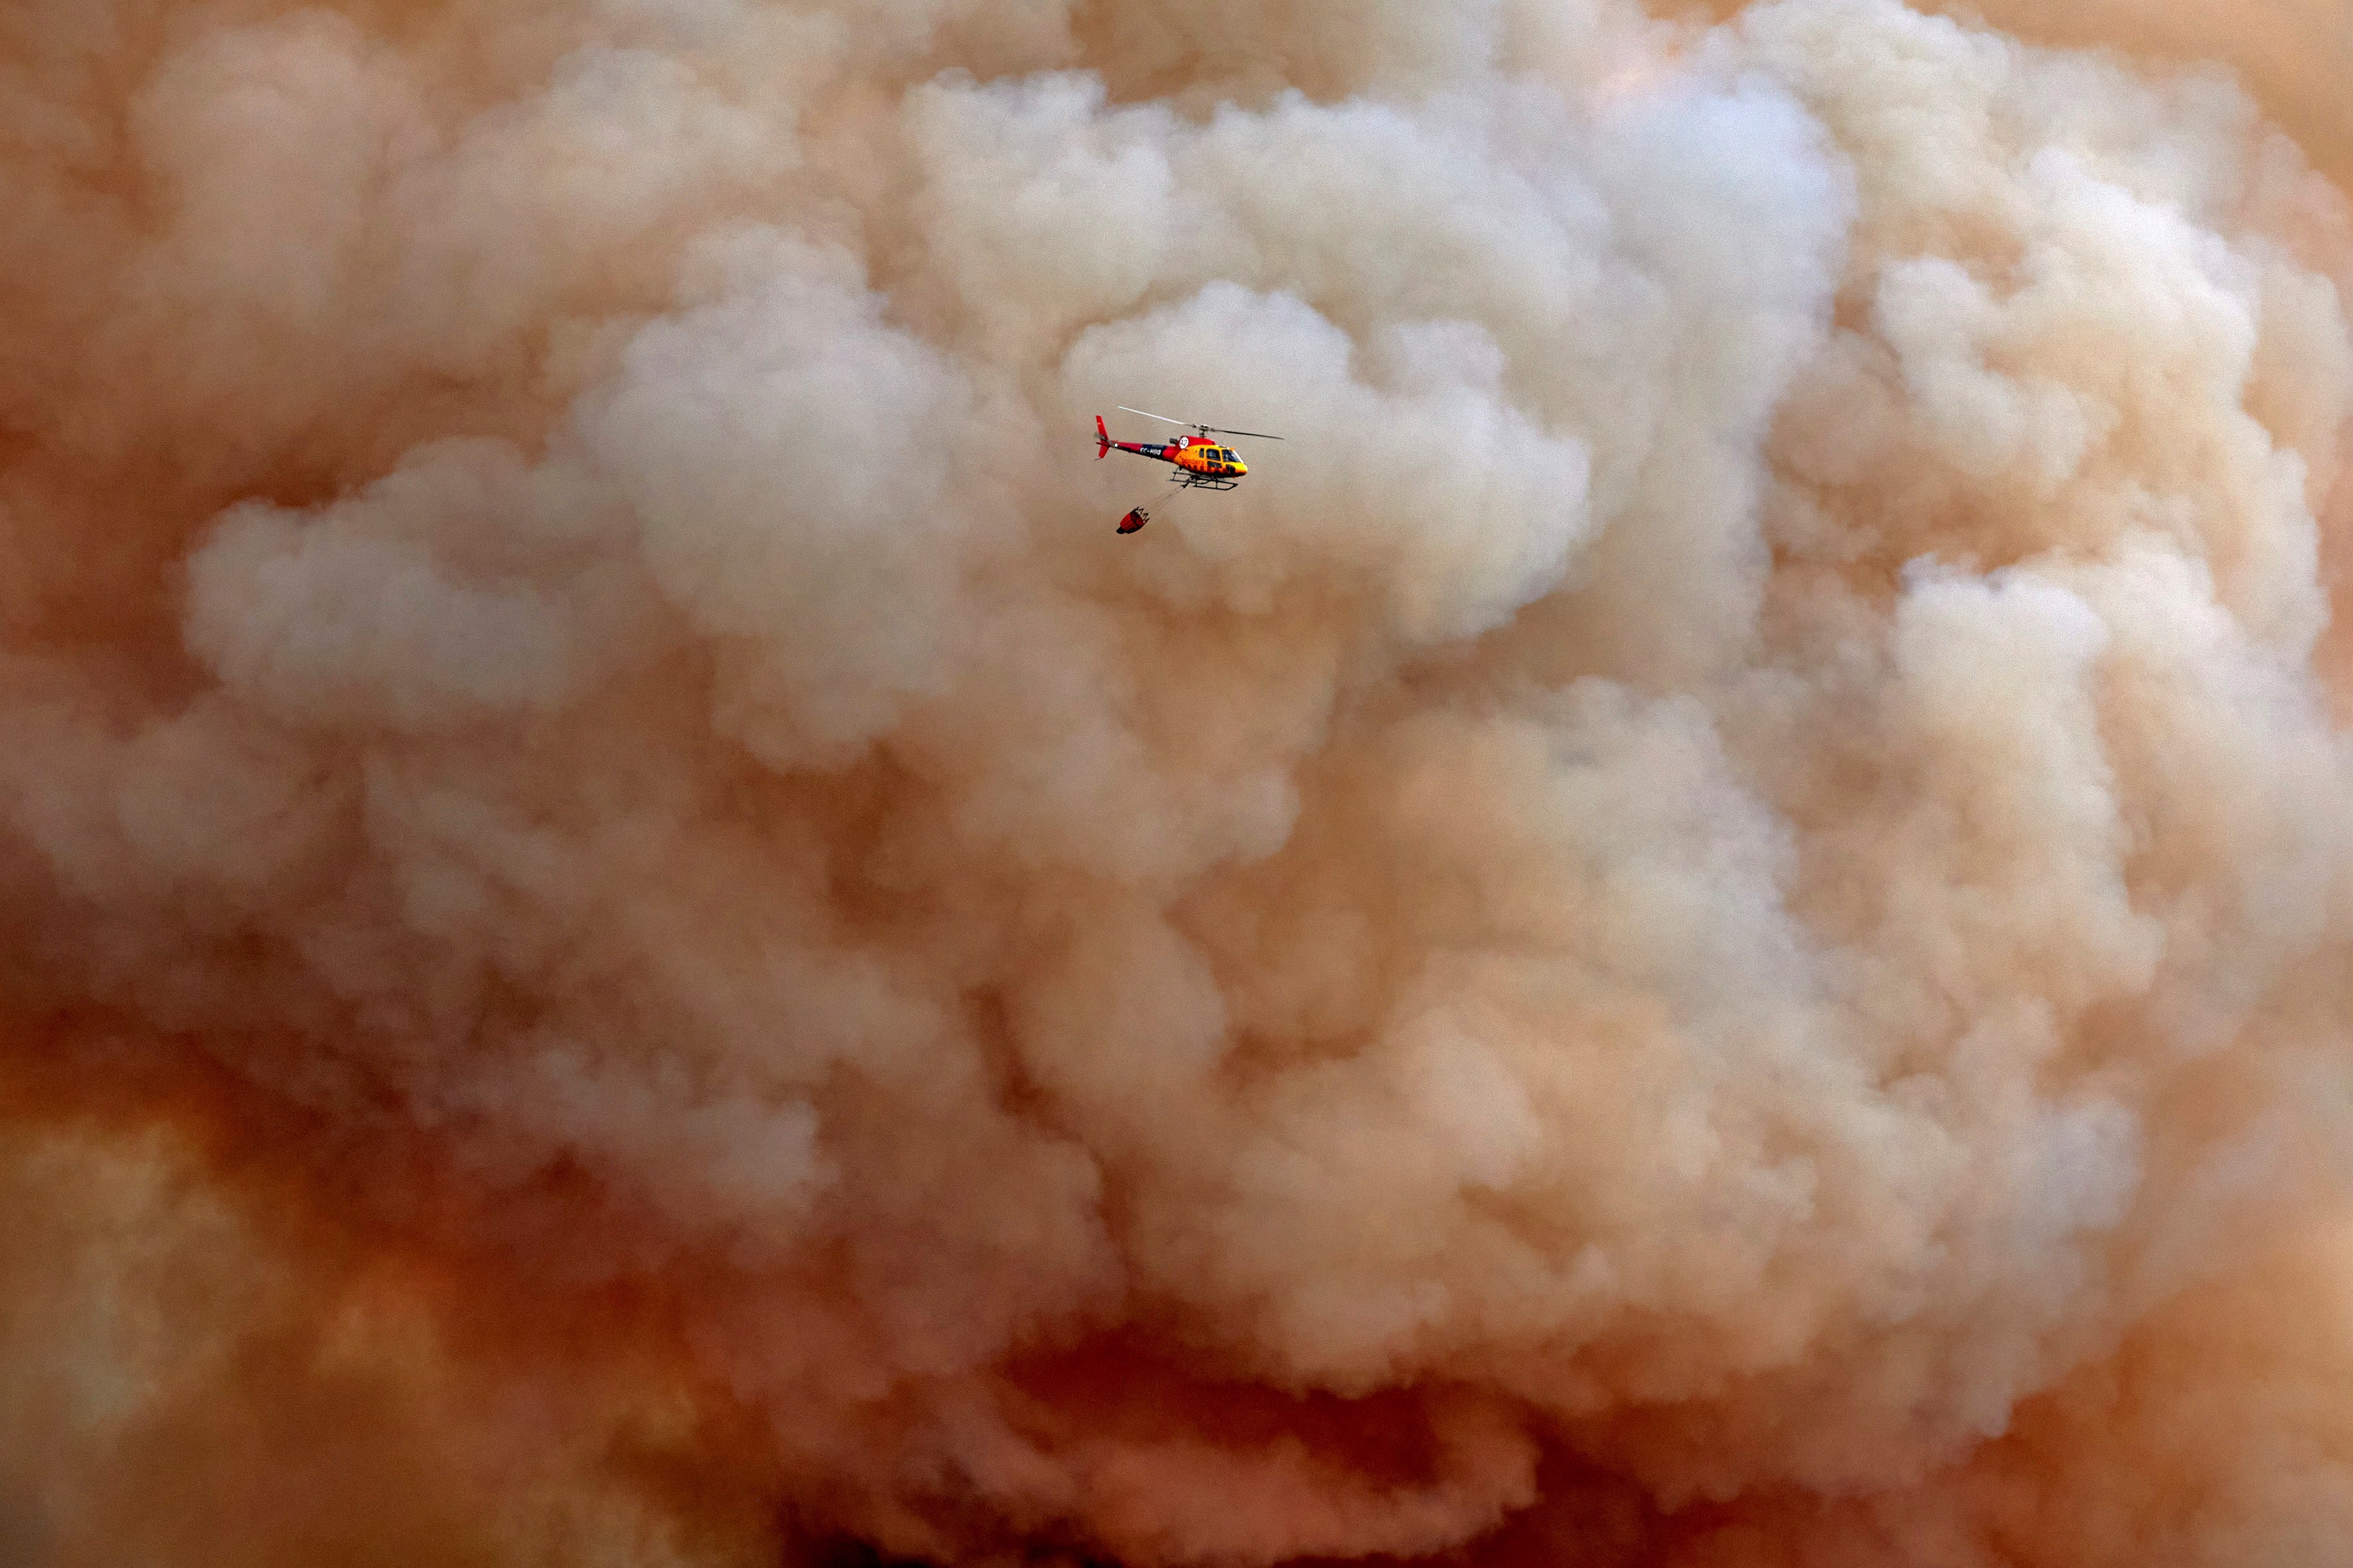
pixel 1205 429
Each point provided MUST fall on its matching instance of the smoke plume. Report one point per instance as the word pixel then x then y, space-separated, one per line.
pixel 1706 926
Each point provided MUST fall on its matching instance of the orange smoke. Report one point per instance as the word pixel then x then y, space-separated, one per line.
pixel 1705 928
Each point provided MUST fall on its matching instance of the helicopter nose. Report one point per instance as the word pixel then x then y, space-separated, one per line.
pixel 1240 468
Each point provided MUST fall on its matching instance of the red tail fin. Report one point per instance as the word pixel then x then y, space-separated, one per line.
pixel 1103 439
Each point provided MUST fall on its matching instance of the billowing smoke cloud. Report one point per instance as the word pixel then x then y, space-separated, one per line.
pixel 1706 926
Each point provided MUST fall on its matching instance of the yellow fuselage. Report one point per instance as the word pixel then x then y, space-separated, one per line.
pixel 1207 458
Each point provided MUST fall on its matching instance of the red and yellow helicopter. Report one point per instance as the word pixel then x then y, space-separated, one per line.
pixel 1200 461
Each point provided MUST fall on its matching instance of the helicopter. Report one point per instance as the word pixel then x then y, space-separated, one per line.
pixel 1200 461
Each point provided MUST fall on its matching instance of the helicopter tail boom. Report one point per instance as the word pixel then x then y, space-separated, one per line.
pixel 1105 445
